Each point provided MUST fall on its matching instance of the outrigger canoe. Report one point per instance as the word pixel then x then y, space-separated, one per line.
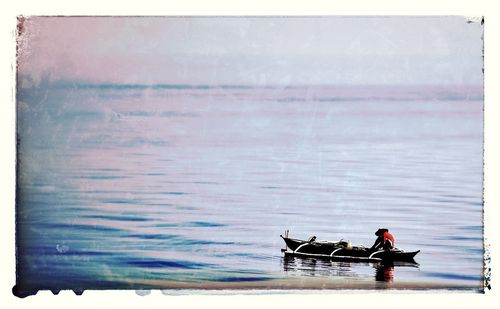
pixel 342 250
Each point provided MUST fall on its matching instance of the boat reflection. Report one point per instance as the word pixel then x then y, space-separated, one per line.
pixel 316 267
pixel 381 272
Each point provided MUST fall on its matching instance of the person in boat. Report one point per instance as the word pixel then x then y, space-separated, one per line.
pixel 384 240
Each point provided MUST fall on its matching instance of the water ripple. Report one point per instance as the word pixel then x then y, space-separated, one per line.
pixel 190 224
pixel 117 218
pixel 454 276
pixel 145 263
pixel 80 227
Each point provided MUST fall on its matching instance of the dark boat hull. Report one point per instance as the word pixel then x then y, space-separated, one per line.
pixel 340 251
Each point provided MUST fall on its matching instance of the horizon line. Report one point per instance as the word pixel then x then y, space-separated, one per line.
pixel 63 83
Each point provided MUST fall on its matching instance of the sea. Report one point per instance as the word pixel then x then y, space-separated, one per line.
pixel 131 186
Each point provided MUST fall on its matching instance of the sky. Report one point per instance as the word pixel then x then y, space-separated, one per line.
pixel 443 50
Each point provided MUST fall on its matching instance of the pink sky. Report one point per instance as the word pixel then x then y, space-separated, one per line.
pixel 393 50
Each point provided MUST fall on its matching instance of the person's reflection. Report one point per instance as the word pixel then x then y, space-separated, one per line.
pixel 384 272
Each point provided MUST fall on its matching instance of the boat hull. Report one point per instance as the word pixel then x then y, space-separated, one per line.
pixel 340 251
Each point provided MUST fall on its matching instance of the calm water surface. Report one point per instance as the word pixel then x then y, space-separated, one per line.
pixel 129 186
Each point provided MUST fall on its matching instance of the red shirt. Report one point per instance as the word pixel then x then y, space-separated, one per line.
pixel 387 236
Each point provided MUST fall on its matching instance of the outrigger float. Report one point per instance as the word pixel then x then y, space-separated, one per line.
pixel 342 251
